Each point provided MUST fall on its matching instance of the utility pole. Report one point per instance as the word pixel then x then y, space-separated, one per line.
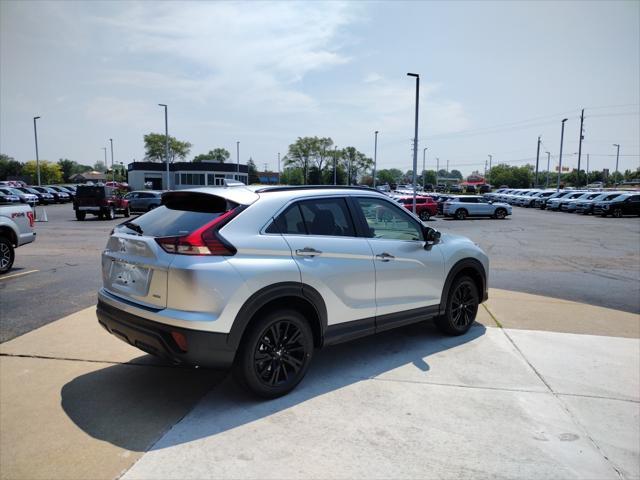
pixel 424 173
pixel 113 170
pixel 490 158
pixel 617 158
pixel 580 147
pixel 437 169
pixel 375 158
pixel 335 159
pixel 560 161
pixel 415 138
pixel 166 143
pixel 537 161
pixel 278 168
pixel 546 185
pixel 35 133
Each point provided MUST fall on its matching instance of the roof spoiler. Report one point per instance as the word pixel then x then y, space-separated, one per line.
pixel 233 183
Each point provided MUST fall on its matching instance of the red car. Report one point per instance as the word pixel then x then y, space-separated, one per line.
pixel 426 207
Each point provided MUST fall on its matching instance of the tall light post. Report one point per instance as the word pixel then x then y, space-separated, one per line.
pixel 587 168
pixel 375 157
pixel 105 156
pixel 490 159
pixel 166 143
pixel 546 185
pixel 278 168
pixel 335 163
pixel 35 134
pixel 238 160
pixel 415 138
pixel 560 160
pixel 113 171
pixel 424 173
pixel 617 158
pixel 437 169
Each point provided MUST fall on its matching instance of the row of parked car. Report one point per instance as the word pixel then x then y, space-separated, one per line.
pixel 456 206
pixel 36 195
pixel 604 203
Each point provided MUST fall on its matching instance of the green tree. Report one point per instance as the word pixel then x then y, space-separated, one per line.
pixel 357 163
pixel 456 173
pixel 49 172
pixel 429 176
pixel 292 176
pixel 253 172
pixel 514 177
pixel 300 153
pixel 99 166
pixel 391 175
pixel 154 146
pixel 220 155
pixel 9 167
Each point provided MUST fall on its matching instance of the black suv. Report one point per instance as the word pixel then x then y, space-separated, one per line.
pixel 624 204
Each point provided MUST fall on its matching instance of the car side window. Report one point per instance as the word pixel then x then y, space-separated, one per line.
pixel 289 222
pixel 387 221
pixel 327 217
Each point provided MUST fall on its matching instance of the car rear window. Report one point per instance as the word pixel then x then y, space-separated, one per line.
pixel 180 215
pixel 88 191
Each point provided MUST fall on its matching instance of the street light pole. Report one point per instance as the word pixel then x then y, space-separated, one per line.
pixel 105 156
pixel 537 160
pixel 490 159
pixel 166 143
pixel 238 159
pixel 546 185
pixel 35 134
pixel 415 138
pixel 113 171
pixel 335 164
pixel 278 168
pixel 375 158
pixel 587 168
pixel 580 146
pixel 617 158
pixel 560 160
pixel 424 173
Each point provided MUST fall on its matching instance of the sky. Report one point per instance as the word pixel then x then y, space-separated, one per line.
pixel 494 76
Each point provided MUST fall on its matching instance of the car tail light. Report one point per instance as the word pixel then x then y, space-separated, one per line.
pixel 204 241
pixel 32 219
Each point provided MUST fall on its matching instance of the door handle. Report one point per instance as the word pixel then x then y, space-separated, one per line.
pixel 307 252
pixel 385 257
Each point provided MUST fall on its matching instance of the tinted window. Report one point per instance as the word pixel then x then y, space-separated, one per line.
pixel 182 214
pixel 387 221
pixel 635 198
pixel 288 222
pixel 327 217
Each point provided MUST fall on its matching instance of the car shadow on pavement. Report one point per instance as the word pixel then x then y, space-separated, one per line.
pixel 133 405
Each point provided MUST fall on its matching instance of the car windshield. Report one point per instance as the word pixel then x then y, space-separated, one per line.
pixel 620 197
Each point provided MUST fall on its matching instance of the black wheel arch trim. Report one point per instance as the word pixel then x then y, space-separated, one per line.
pixel 458 267
pixel 267 295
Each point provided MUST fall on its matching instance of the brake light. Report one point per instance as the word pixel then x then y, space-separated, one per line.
pixel 204 241
pixel 31 219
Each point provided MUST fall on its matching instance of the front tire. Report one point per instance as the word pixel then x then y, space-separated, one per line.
pixel 424 216
pixel 617 213
pixel 80 216
pixel 127 213
pixel 461 214
pixel 500 214
pixel 111 213
pixel 275 354
pixel 462 307
pixel 7 255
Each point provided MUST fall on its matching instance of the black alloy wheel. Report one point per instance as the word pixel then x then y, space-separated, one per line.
pixel 462 307
pixel 424 216
pixel 501 213
pixel 275 354
pixel 461 214
pixel 617 212
pixel 7 255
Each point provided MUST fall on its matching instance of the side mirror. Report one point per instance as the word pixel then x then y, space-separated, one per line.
pixel 431 236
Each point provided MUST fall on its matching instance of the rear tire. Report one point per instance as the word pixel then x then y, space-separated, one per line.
pixel 424 216
pixel 7 255
pixel 80 216
pixel 462 307
pixel 111 213
pixel 617 213
pixel 127 213
pixel 275 353
pixel 461 214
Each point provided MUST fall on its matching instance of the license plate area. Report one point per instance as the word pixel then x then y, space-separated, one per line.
pixel 130 279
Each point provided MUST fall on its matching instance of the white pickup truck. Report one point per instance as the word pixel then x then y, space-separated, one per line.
pixel 16 229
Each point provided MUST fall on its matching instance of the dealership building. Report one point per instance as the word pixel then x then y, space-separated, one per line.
pixel 183 175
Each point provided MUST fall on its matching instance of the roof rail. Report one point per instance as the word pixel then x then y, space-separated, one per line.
pixel 285 188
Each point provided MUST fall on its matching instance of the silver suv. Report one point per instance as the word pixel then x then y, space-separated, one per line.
pixel 474 206
pixel 257 278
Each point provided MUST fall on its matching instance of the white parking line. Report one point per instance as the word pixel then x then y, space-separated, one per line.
pixel 18 274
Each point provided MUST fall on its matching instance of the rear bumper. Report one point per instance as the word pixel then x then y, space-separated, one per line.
pixel 206 349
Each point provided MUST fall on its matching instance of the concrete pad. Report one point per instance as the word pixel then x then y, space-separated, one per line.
pixel 376 430
pixel 77 336
pixel 618 435
pixel 533 312
pixel 483 357
pixel 584 364
pixel 79 420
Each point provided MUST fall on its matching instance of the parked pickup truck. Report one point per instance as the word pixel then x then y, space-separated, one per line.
pixel 16 229
pixel 102 201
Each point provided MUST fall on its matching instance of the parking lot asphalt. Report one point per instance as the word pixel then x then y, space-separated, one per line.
pixel 583 258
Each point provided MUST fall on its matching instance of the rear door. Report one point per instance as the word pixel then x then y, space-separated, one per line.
pixel 331 257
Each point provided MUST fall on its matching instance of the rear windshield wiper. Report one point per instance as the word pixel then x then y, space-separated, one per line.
pixel 133 226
